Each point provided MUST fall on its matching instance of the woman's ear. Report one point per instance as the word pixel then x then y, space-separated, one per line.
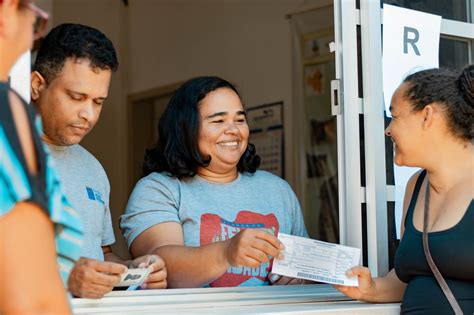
pixel 38 84
pixel 429 113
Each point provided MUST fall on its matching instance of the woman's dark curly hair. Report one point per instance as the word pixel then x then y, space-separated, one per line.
pixel 176 151
pixel 453 91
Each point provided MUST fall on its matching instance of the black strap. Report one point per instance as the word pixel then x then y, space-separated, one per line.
pixel 442 283
pixel 414 198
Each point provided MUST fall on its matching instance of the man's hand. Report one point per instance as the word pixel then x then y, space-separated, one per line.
pixel 92 279
pixel 157 278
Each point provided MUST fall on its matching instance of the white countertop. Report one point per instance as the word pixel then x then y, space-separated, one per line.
pixel 298 299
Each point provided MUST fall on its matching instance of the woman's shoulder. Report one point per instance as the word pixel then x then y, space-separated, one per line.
pixel 410 187
pixel 155 178
pixel 409 192
pixel 266 178
pixel 260 174
pixel 155 181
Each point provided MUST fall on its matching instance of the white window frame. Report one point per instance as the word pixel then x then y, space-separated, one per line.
pixel 376 193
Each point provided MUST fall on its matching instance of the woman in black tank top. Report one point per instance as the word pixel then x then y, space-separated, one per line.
pixel 432 128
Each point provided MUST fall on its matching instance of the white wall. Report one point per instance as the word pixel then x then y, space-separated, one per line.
pixel 245 41
pixel 108 139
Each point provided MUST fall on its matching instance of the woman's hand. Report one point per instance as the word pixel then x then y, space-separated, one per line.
pixel 366 289
pixel 157 278
pixel 251 248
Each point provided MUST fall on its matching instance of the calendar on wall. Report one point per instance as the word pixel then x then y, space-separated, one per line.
pixel 266 133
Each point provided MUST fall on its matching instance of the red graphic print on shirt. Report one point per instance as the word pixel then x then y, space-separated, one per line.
pixel 216 229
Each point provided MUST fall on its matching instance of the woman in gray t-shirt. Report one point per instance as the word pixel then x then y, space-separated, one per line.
pixel 203 206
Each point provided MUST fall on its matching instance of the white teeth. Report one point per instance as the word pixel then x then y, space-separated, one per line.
pixel 229 144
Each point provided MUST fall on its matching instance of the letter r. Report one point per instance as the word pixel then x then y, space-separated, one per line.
pixel 411 41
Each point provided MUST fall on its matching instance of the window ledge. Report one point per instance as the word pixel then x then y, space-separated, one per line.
pixel 301 299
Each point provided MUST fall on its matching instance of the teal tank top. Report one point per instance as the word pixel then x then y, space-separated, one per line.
pixel 17 184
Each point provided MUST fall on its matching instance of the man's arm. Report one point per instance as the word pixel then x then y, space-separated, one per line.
pixel 110 256
pixel 384 289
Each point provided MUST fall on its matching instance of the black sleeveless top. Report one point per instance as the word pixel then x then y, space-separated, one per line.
pixel 453 253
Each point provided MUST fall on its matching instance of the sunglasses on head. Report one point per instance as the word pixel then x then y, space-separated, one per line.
pixel 41 20
pixel 41 17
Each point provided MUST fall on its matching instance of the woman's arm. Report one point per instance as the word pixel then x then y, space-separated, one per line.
pixel 384 289
pixel 29 273
pixel 197 266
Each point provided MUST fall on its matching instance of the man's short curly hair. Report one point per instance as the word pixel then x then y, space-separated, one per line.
pixel 74 41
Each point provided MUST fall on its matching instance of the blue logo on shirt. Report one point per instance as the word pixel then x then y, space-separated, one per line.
pixel 94 195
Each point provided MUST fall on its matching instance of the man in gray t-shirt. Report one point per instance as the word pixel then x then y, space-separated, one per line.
pixel 86 185
pixel 69 84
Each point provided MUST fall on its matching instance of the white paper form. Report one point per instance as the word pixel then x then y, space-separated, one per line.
pixel 316 260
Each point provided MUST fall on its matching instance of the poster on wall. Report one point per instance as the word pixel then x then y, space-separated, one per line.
pixel 266 133
pixel 315 80
pixel 410 44
pixel 315 45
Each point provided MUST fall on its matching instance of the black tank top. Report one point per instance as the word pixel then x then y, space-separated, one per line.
pixel 452 251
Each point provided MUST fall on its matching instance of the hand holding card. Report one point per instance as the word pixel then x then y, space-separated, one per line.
pixel 92 278
pixel 157 277
pixel 134 277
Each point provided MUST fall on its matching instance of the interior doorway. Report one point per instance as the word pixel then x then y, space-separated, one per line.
pixel 315 121
pixel 145 110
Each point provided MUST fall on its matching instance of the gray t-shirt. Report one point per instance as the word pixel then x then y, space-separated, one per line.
pixel 87 187
pixel 212 212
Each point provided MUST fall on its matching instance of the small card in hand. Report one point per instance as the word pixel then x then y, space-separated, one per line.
pixel 134 277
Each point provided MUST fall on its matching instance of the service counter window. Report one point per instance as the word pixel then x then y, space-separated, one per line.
pixel 335 156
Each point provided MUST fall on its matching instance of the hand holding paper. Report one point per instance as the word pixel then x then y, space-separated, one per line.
pixel 316 260
pixel 366 287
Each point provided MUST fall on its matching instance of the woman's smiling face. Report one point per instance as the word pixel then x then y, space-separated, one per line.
pixel 405 129
pixel 223 131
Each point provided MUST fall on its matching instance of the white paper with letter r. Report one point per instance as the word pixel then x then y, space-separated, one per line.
pixel 316 260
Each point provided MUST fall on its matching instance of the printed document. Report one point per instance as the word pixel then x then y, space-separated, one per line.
pixel 316 260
